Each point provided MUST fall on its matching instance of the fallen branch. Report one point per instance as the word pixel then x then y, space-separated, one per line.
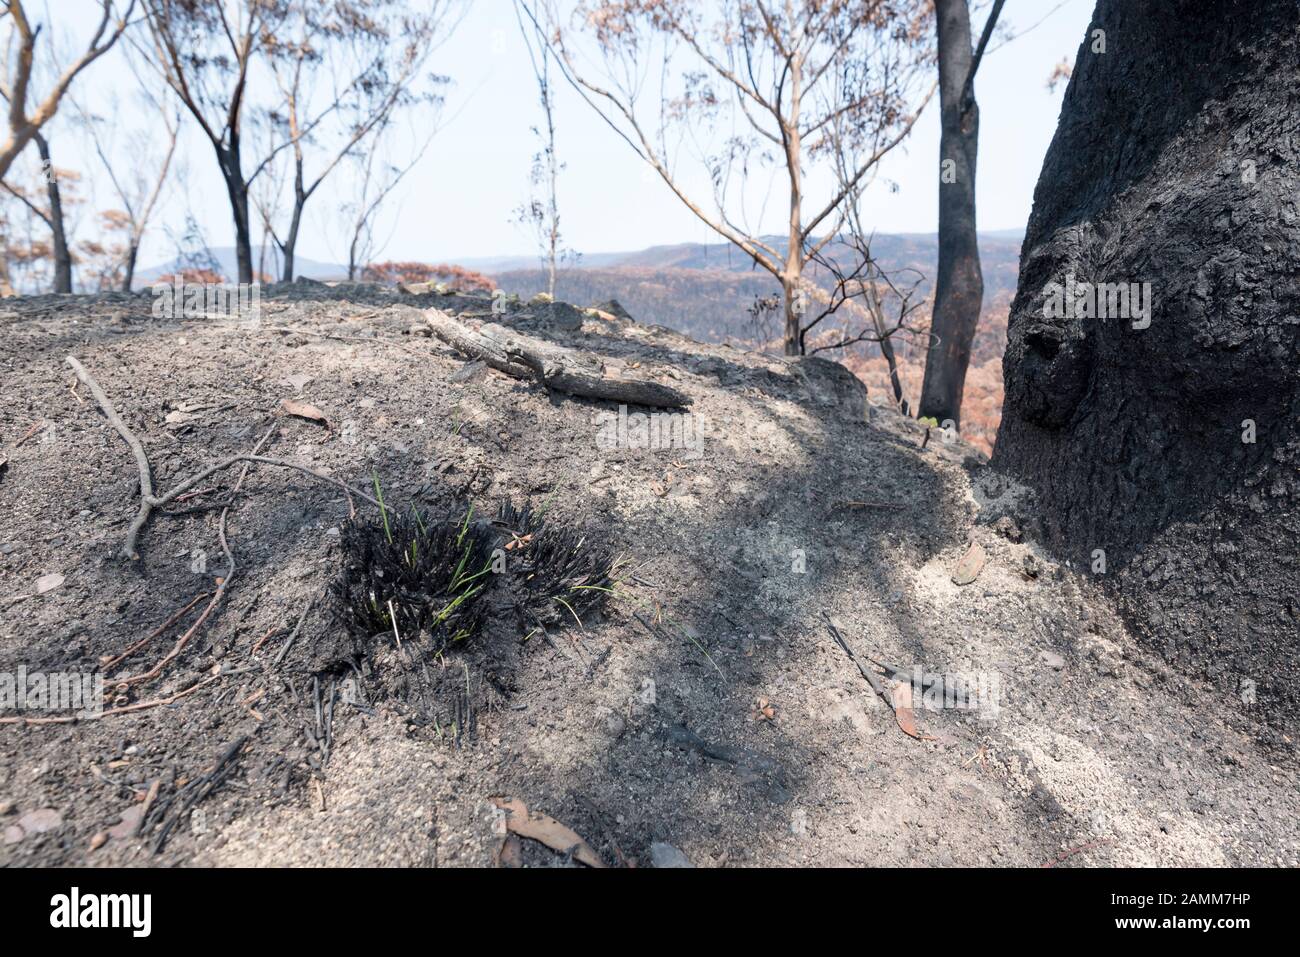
pixel 124 709
pixel 141 460
pixel 109 663
pixel 149 501
pixel 522 357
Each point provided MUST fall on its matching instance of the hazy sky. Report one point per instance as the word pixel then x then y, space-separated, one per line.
pixel 458 202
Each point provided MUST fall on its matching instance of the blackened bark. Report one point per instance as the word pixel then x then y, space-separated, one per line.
pixel 959 285
pixel 1174 164
pixel 132 254
pixel 58 231
pixel 228 159
pixel 291 240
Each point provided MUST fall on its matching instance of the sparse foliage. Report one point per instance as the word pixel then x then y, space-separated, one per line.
pixel 751 84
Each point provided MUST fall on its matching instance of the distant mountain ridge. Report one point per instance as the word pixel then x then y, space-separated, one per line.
pixel 1000 250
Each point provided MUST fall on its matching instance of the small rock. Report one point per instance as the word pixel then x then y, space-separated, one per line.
pixel 1053 660
pixel 99 840
pixel 38 822
pixel 614 308
pixel 665 855
pixel 6 807
pixel 615 724
pixel 14 834
pixel 127 822
pixel 1032 568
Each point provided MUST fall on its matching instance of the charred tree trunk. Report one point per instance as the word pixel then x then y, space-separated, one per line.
pixel 58 232
pixel 132 255
pixel 291 239
pixel 1157 417
pixel 959 286
pixel 237 190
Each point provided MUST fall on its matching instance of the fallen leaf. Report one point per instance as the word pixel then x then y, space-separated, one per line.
pixel 511 853
pixel 902 699
pixel 48 583
pixel 541 827
pixel 304 411
pixel 519 541
pixel 970 566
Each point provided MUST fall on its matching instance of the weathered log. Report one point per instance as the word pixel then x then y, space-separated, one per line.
pixel 552 366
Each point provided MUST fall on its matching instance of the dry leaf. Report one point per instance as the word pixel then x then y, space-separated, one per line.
pixel 541 827
pixel 304 411
pixel 511 853
pixel 902 699
pixel 763 711
pixel 970 566
pixel 48 583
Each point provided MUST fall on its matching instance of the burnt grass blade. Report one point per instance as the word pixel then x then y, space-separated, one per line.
pixel 553 564
pixel 423 574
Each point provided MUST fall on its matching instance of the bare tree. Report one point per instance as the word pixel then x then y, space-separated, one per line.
pixel 205 52
pixel 375 179
pixel 959 286
pixel 374 52
pixel 542 212
pixel 51 215
pixel 763 82
pixel 20 60
pixel 138 180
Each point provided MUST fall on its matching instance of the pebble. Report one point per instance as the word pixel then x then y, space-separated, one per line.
pixel 1053 660
pixel 665 855
pixel 38 822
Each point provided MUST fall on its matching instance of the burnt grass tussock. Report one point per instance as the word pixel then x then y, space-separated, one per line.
pixel 434 577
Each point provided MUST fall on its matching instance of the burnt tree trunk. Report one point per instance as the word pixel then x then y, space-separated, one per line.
pixel 959 285
pixel 1162 446
pixel 58 231
pixel 228 158
pixel 132 256
pixel 291 239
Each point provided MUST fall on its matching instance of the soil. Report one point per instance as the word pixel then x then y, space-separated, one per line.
pixel 705 708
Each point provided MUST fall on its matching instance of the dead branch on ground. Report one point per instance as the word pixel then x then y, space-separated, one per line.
pixel 553 367
pixel 148 500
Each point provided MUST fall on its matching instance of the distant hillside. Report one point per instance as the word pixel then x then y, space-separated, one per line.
pixel 705 289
